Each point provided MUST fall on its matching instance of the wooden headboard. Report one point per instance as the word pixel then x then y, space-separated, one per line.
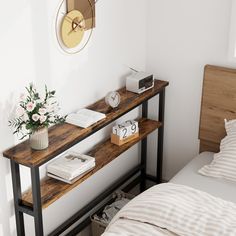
pixel 218 103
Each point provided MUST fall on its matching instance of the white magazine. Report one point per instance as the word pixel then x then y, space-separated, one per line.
pixel 66 180
pixel 70 165
pixel 70 176
pixel 85 117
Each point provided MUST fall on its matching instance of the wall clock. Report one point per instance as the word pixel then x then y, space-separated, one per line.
pixel 75 21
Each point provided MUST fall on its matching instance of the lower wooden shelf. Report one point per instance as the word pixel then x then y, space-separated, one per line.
pixel 104 153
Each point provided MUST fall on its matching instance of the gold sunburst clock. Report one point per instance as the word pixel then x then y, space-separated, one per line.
pixel 74 24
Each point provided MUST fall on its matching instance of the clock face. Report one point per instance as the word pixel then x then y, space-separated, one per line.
pixel 74 28
pixel 113 99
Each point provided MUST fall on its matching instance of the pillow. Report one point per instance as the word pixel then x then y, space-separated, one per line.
pixel 224 162
pixel 230 126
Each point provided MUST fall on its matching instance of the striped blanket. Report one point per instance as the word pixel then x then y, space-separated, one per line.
pixel 171 210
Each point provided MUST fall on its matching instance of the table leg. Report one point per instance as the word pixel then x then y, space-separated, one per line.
pixel 144 150
pixel 160 137
pixel 37 206
pixel 15 172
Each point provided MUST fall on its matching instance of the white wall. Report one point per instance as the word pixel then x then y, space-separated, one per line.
pixel 183 36
pixel 29 52
pixel 232 33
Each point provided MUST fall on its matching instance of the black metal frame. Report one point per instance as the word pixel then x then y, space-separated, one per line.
pixel 144 150
pixel 15 172
pixel 139 172
pixel 160 137
pixel 37 209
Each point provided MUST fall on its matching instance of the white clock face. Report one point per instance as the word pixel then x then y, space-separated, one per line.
pixel 113 99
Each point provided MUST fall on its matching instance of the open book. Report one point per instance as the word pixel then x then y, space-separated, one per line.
pixel 85 117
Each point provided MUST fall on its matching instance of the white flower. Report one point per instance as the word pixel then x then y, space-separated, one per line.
pixel 42 118
pixel 30 106
pixel 35 117
pixel 25 117
pixel 52 119
pixel 42 111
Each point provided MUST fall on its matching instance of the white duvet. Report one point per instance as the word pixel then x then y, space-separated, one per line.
pixel 170 210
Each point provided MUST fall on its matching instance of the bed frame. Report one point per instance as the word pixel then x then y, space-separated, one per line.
pixel 218 103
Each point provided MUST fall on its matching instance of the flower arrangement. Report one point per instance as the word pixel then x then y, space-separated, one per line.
pixel 35 113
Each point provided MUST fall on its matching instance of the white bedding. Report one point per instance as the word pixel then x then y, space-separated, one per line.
pixel 137 218
pixel 189 176
pixel 173 209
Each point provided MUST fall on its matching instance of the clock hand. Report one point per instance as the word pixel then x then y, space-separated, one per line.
pixel 77 26
pixel 81 22
pixel 71 20
pixel 114 98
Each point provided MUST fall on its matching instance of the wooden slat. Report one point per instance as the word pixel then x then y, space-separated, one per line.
pixel 218 103
pixel 52 189
pixel 64 136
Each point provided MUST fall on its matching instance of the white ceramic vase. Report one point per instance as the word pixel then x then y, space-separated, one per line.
pixel 39 139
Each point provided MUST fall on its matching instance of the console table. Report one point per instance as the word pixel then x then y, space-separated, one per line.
pixel 46 191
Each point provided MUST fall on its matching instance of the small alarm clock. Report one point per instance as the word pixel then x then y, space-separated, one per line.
pixel 113 99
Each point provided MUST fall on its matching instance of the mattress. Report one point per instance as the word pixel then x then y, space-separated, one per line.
pixel 154 211
pixel 189 176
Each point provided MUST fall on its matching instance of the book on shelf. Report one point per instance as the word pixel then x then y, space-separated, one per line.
pixel 70 165
pixel 85 117
pixel 66 180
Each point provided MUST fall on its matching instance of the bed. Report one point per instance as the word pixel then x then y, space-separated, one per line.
pixel 191 204
pixel 189 176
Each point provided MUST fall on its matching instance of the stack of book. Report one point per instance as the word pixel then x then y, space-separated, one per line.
pixel 70 167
